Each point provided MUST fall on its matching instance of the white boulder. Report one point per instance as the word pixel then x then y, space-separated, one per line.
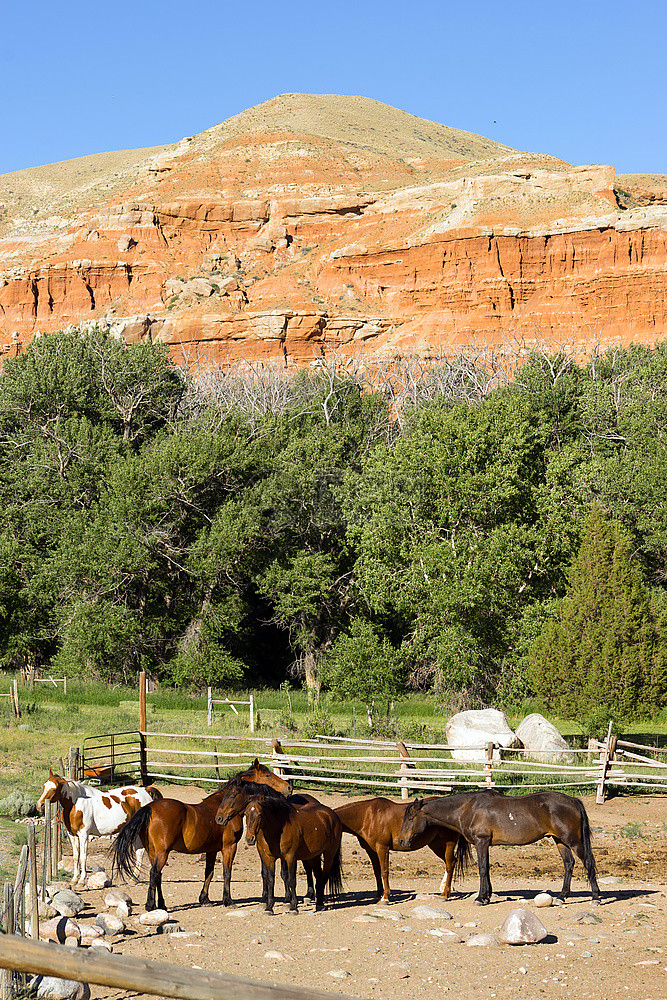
pixel 537 734
pixel 469 732
pixel 522 927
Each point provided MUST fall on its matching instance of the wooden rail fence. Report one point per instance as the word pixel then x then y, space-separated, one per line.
pixel 141 976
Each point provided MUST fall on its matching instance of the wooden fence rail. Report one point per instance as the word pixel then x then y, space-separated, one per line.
pixel 140 975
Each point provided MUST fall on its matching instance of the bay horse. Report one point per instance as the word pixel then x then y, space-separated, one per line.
pixel 170 825
pixel 486 817
pixel 239 793
pixel 89 812
pixel 310 834
pixel 376 824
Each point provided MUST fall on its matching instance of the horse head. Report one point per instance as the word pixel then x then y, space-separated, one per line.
pixel 412 825
pixel 253 816
pixel 51 787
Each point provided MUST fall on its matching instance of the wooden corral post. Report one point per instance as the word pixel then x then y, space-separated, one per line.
pixel 488 766
pixel 8 928
pixel 143 759
pixel 142 701
pixel 277 751
pixel 73 764
pixel 406 764
pixel 34 902
pixel 252 713
pixel 15 699
pixel 606 757
pixel 137 975
pixel 209 706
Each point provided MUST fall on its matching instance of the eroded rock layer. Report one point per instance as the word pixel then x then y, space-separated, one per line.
pixel 313 222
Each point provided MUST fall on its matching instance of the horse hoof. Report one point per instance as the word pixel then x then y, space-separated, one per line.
pixel 382 901
pixel 481 902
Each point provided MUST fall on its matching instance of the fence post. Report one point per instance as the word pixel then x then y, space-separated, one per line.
pixel 65 685
pixel 488 766
pixel 142 701
pixel 15 699
pixel 34 902
pixel 606 755
pixel 143 763
pixel 252 713
pixel 8 928
pixel 209 706
pixel 73 764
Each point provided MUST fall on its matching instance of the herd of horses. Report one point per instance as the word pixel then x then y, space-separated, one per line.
pixel 293 828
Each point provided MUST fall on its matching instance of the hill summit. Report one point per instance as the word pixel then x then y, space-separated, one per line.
pixel 318 221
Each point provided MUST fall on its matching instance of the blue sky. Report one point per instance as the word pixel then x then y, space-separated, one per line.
pixel 584 81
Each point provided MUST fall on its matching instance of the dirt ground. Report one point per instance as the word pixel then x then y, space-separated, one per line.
pixel 360 948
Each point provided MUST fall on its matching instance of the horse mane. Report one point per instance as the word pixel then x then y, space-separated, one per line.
pixel 279 806
pixel 255 790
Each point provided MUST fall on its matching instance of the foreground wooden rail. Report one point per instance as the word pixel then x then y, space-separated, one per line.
pixel 141 976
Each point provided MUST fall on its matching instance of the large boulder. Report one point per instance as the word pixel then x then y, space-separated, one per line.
pixel 538 735
pixel 469 732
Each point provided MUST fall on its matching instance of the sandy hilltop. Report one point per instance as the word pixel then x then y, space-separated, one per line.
pixel 317 221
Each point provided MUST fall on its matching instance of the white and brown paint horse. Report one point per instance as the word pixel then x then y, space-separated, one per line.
pixel 90 812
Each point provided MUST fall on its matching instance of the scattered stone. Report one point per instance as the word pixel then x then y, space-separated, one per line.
pixel 609 880
pixel 58 929
pixel 278 956
pixel 365 918
pixel 585 918
pixel 126 243
pixel 586 954
pixel 482 941
pixel 522 927
pixel 67 903
pixel 445 935
pixel 101 942
pixel 60 989
pixel 98 880
pixel 71 942
pixel 339 974
pixel 400 971
pixel 123 910
pixel 90 932
pixel 430 913
pixel 116 896
pixel 153 918
pixel 543 899
pixel 169 927
pixel 110 923
pixel 261 939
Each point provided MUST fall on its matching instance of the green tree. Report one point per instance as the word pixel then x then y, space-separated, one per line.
pixel 605 643
pixel 362 664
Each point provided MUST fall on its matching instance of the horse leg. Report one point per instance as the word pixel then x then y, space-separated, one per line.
pixel 284 874
pixel 83 855
pixel 377 871
pixel 308 868
pixel 139 851
pixel 155 882
pixel 446 855
pixel 291 876
pixel 270 870
pixel 208 875
pixel 383 864
pixel 588 861
pixel 482 846
pixel 74 841
pixel 228 850
pixel 568 865
pixel 320 883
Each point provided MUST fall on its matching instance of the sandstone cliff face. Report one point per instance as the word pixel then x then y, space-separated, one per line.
pixel 290 230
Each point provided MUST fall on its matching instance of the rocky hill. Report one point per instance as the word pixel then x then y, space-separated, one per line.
pixel 321 221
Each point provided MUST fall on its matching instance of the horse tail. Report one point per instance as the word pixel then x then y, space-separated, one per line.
pixel 335 876
pixel 154 792
pixel 462 857
pixel 588 859
pixel 123 851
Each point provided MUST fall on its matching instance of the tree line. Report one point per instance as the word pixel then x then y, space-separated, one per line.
pixel 484 530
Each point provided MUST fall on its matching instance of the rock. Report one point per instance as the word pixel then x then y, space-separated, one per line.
pixel 445 935
pixel 71 942
pixel 101 942
pixel 116 896
pixel 522 927
pixel 430 913
pixel 169 927
pixel 482 941
pixel 60 989
pixel 58 929
pixel 278 956
pixel 585 918
pixel 469 732
pixel 153 918
pixel 543 899
pixel 338 974
pixel 98 880
pixel 537 735
pixel 110 924
pixel 91 932
pixel 126 243
pixel 123 910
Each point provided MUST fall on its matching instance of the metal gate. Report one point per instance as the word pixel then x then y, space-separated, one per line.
pixel 111 758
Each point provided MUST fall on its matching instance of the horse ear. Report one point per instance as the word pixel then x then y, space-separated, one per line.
pixel 255 762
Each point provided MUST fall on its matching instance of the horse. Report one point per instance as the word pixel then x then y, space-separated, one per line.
pixel 238 794
pixel 485 818
pixel 376 824
pixel 170 825
pixel 311 834
pixel 90 812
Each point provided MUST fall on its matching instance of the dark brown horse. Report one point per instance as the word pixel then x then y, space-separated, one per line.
pixel 310 834
pixel 485 818
pixel 238 794
pixel 169 825
pixel 376 824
